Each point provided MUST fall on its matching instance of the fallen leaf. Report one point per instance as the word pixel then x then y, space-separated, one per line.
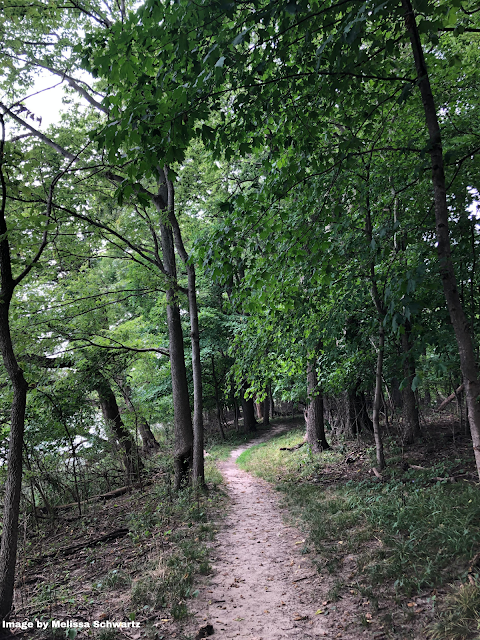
pixel 411 604
pixel 318 612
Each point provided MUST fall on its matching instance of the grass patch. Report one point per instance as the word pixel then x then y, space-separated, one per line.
pixel 115 579
pixel 410 530
pixel 181 523
pixel 460 617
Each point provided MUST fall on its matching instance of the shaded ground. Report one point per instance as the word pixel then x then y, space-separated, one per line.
pixel 264 584
pixel 263 587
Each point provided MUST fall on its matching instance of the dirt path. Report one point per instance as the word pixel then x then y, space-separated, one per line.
pixel 262 587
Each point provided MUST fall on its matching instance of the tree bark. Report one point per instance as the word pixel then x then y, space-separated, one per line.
pixel 396 394
pixel 8 548
pixel 183 453
pixel 235 414
pixel 13 486
pixel 249 422
pixel 259 409
pixel 217 398
pixel 451 397
pixel 315 420
pixel 358 417
pixel 412 431
pixel 111 415
pixel 150 444
pixel 378 399
pixel 183 449
pixel 266 409
pixel 198 430
pixel 457 315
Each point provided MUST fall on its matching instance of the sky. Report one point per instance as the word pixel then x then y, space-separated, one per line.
pixel 48 103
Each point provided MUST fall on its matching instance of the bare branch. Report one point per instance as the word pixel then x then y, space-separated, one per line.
pixel 59 149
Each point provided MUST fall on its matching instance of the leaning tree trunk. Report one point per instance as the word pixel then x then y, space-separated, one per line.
pixel 412 431
pixel 150 444
pixel 198 430
pixel 111 415
pixel 457 315
pixel 315 421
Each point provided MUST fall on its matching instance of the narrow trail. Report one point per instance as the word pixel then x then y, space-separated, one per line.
pixel 262 587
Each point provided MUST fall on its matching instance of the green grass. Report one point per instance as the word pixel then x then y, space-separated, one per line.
pixel 408 532
pixel 182 524
pixel 460 617
pixel 222 449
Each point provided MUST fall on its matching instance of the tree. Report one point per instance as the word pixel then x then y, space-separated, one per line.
pixel 10 282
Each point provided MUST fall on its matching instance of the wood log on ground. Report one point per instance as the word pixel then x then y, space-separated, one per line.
pixel 451 397
pixel 297 446
pixel 68 551
pixel 98 498
pixel 377 474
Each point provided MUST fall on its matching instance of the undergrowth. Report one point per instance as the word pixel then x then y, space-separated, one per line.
pixel 181 524
pixel 459 618
pixel 411 530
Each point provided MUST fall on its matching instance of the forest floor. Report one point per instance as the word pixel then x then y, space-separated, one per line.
pixel 283 545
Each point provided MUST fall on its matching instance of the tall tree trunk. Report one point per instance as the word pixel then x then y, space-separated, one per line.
pixel 272 400
pixel 13 485
pixel 111 415
pixel 183 448
pixel 198 431
pixel 412 431
pixel 378 399
pixel 8 548
pixel 259 410
pixel 249 422
pixel 378 302
pixel 457 315
pixel 396 394
pixel 266 409
pixel 235 414
pixel 315 421
pixel 217 398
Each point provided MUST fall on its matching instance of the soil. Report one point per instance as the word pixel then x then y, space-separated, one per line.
pixel 263 587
